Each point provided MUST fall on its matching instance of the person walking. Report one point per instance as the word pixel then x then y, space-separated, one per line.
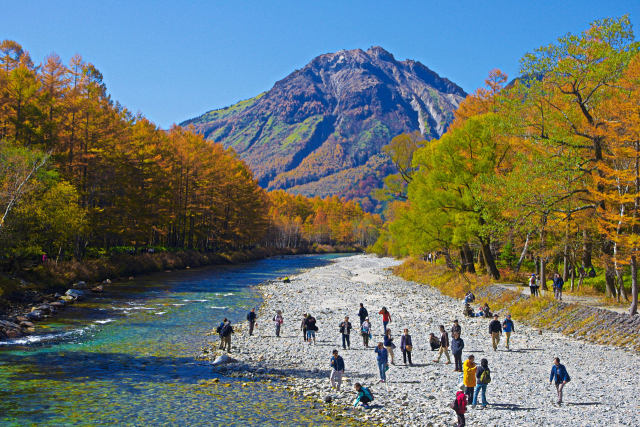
pixel 483 377
pixel 312 328
pixel 434 342
pixel 459 405
pixel 303 326
pixel 337 370
pixel 561 377
pixel 345 330
pixel 278 320
pixel 456 328
pixel 406 346
pixel 225 334
pixel 508 327
pixel 365 330
pixel 389 345
pixel 469 369
pixel 386 319
pixel 383 361
pixel 364 396
pixel 495 329
pixel 457 344
pixel 251 318
pixel 558 283
pixel 533 281
pixel 219 332
pixel 444 346
pixel 362 313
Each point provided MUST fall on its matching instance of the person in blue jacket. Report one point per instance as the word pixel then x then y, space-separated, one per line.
pixel 383 361
pixel 558 283
pixel 508 327
pixel 337 370
pixel 560 375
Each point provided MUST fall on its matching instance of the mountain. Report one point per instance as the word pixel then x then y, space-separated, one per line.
pixel 320 130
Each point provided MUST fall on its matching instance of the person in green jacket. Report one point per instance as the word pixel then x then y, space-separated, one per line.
pixel 364 395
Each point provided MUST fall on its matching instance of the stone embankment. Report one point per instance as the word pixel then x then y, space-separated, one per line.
pixel 602 390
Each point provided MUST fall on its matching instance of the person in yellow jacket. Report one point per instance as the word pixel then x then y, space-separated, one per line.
pixel 469 376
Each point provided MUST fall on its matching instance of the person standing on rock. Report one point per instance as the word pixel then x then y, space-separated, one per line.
pixel 383 361
pixel 406 346
pixel 389 345
pixel 278 320
pixel 558 283
pixel 386 319
pixel 345 330
pixel 251 318
pixel 303 326
pixel 560 375
pixel 225 334
pixel 495 329
pixel 469 369
pixel 533 284
pixel 219 332
pixel 483 377
pixel 366 332
pixel 444 346
pixel 362 313
pixel 456 328
pixel 508 327
pixel 457 344
pixel 311 329
pixel 337 370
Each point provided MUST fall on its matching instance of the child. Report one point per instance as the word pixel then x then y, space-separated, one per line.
pixel 364 396
pixel 459 405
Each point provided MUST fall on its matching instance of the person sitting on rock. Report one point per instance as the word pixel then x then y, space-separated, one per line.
pixel 434 342
pixel 468 311
pixel 486 312
pixel 364 396
pixel 469 297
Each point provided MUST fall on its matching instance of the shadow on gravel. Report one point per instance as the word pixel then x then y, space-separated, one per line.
pixel 525 350
pixel 583 403
pixel 509 407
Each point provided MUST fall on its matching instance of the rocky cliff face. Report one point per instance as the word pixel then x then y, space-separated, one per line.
pixel 320 130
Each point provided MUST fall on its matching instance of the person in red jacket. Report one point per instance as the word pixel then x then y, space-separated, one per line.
pixel 459 405
pixel 386 318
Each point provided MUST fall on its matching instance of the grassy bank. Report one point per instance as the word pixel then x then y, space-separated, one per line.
pixel 593 324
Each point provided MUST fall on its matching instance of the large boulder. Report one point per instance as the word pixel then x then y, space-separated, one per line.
pixel 223 359
pixel 35 315
pixel 46 308
pixel 9 329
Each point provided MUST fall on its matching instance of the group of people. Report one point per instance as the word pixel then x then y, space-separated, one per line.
pixel 475 378
pixel 558 285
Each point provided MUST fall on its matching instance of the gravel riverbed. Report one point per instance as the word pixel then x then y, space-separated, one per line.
pixel 602 391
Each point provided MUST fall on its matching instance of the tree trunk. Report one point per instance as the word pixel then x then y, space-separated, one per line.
pixel 481 263
pixel 523 254
pixel 573 277
pixel 543 274
pixel 468 259
pixel 489 260
pixel 633 309
pixel 448 261
pixel 610 278
pixel 622 293
pixel 587 248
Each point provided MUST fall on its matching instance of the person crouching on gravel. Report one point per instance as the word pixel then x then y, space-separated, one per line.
pixel 560 375
pixel 383 361
pixel 337 370
pixel 434 342
pixel 364 396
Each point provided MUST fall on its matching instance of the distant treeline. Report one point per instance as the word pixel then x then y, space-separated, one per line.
pixel 81 176
pixel 546 167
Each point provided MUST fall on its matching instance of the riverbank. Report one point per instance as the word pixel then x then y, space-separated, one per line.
pixel 43 285
pixel 419 395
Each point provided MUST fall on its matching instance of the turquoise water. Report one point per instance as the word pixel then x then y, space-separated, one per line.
pixel 128 356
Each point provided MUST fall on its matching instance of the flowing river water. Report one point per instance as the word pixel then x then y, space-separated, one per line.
pixel 127 357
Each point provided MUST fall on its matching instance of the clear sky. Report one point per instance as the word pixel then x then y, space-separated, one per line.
pixel 173 60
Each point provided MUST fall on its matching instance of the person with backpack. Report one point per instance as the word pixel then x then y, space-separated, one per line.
pixel 469 369
pixel 251 318
pixel 444 346
pixel 278 320
pixel 219 332
pixel 533 281
pixel 558 283
pixel 495 329
pixel 225 334
pixel 389 345
pixel 337 370
pixel 364 396
pixel 311 329
pixel 483 377
pixel 560 375
pixel 386 319
pixel 406 346
pixel 457 344
pixel 456 328
pixel 434 342
pixel 459 406
pixel 365 330
pixel 383 361
pixel 303 326
pixel 362 313
pixel 345 330
pixel 508 327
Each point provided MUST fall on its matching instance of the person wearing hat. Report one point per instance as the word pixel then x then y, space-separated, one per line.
pixel 508 327
pixel 278 320
pixel 495 329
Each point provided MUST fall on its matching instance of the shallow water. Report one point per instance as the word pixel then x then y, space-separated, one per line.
pixel 127 357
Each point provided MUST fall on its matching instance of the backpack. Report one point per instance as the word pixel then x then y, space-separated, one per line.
pixel 485 377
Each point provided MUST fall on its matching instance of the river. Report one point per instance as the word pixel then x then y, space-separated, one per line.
pixel 127 357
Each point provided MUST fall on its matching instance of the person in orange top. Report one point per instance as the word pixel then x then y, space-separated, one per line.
pixel 469 368
pixel 386 319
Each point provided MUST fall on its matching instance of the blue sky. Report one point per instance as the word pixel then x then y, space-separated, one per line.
pixel 173 60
